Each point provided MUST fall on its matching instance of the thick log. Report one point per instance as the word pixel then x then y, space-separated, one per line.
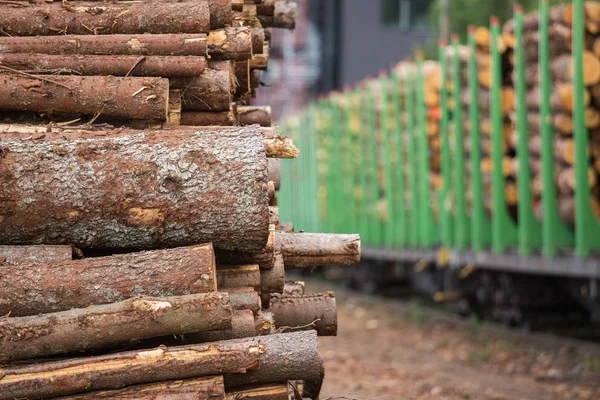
pixel 17 255
pixel 250 115
pixel 234 43
pixel 258 38
pixel 221 13
pixel 130 98
pixel 244 299
pixel 562 68
pixel 211 388
pixel 294 288
pixel 264 258
pixel 272 280
pixel 288 356
pixel 238 276
pixel 30 289
pixel 242 326
pixel 268 392
pixel 140 45
pixel 114 371
pixel 209 118
pixel 117 65
pixel 211 91
pixel 264 323
pixel 305 312
pixel 110 18
pixel 274 172
pixel 103 326
pixel 309 250
pixel 198 186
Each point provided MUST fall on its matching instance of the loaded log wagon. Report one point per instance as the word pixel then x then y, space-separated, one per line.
pixel 141 246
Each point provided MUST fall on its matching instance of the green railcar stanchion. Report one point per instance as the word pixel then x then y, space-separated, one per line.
pixel 311 170
pixel 400 219
pixel 284 199
pixel 336 204
pixel 587 227
pixel 530 229
pixel 375 225
pixel 555 234
pixel 349 167
pixel 481 230
pixel 415 201
pixel 386 147
pixel 504 229
pixel 361 165
pixel 321 125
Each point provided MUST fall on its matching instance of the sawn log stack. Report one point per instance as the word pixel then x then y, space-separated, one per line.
pixel 141 251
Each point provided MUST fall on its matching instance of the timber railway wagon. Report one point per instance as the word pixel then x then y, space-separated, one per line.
pixel 474 176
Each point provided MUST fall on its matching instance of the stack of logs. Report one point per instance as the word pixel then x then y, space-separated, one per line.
pixel 561 19
pixel 141 258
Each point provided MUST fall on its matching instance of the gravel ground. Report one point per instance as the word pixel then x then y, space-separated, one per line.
pixel 386 349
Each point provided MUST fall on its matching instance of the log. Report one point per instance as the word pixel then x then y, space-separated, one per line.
pixel 130 98
pixel 258 38
pixel 250 115
pixel 17 255
pixel 264 323
pixel 82 283
pixel 103 326
pixel 280 147
pixel 294 288
pixel 141 45
pixel 103 19
pixel 198 186
pixel 272 280
pixel 284 15
pixel 211 91
pixel 273 218
pixel 244 299
pixel 210 388
pixel 242 76
pixel 221 13
pixel 261 60
pixel 264 257
pixel 288 356
pixel 209 118
pixel 267 392
pixel 242 326
pixel 117 65
pixel 309 250
pixel 114 371
pixel 305 312
pixel 561 98
pixel 273 210
pixel 233 43
pixel 274 172
pixel 562 68
pixel 238 276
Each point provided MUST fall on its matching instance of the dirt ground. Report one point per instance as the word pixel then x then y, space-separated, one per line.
pixel 390 350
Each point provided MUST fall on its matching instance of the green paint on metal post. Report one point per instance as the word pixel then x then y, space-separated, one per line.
pixel 504 229
pixel 386 148
pixel 337 205
pixel 362 140
pixel 481 226
pixel 349 168
pixel 373 193
pixel 415 201
pixel 399 206
pixel 313 174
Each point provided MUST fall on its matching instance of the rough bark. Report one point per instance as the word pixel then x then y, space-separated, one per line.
pixel 274 172
pixel 140 45
pixel 233 43
pixel 136 190
pixel 103 326
pixel 273 210
pixel 288 356
pixel 242 77
pixel 244 299
pixel 272 280
pixel 88 18
pixel 258 38
pixel 242 326
pixel 16 255
pixel 221 13
pixel 209 118
pixel 250 115
pixel 305 312
pixel 211 388
pixel 273 214
pixel 114 371
pixel 117 65
pixel 267 392
pixel 130 98
pixel 284 15
pixel 30 289
pixel 308 250
pixel 238 276
pixel 294 288
pixel 264 257
pixel 264 323
pixel 210 91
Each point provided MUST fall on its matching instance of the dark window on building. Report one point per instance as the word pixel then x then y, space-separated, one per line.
pixel 405 14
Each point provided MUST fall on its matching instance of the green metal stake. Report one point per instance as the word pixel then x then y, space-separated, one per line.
pixel 361 161
pixel 462 223
pixel 504 229
pixel 399 206
pixel 415 222
pixel 284 198
pixel 349 169
pixel 530 229
pixel 386 146
pixel 554 233
pixel 373 193
pixel 311 171
pixel 587 227
pixel 482 229
pixel 338 206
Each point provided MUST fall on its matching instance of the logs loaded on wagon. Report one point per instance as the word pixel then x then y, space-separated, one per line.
pixel 140 244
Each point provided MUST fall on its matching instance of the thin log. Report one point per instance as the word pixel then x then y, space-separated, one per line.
pixel 141 45
pixel 238 276
pixel 233 43
pixel 305 312
pixel 198 186
pixel 250 115
pixel 267 392
pixel 274 172
pixel 273 217
pixel 242 77
pixel 30 289
pixel 273 210
pixel 209 118
pixel 118 65
pixel 244 299
pixel 16 255
pixel 272 280
pixel 211 388
pixel 242 326
pixel 211 91
pixel 103 326
pixel 114 371
pixel 264 323
pixel 289 356
pixel 130 98
pixel 309 250
pixel 264 258
pixel 103 19
pixel 294 288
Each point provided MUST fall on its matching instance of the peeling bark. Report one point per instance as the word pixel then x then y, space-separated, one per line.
pixel 233 43
pixel 305 312
pixel 309 250
pixel 238 276
pixel 103 326
pixel 16 255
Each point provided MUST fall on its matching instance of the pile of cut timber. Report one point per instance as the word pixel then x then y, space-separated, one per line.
pixel 140 243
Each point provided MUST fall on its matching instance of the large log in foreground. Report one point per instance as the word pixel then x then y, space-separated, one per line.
pixel 15 255
pixel 121 97
pixel 103 326
pixel 114 371
pixel 308 250
pixel 31 289
pixel 144 190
